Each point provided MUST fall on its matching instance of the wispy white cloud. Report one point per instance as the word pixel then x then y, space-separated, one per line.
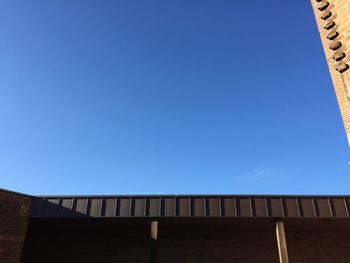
pixel 257 174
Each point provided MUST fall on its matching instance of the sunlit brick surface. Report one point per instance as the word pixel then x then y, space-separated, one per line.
pixel 340 71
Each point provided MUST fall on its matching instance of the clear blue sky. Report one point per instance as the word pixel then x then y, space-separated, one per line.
pixel 175 96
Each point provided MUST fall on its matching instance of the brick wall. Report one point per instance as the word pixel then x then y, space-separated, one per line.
pixel 13 225
pixel 239 241
pixel 224 243
pixel 335 16
pixel 327 247
pixel 88 241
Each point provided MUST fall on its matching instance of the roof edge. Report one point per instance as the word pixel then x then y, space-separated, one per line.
pixel 15 193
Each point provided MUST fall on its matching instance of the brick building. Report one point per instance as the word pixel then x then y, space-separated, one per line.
pixel 169 229
pixel 333 21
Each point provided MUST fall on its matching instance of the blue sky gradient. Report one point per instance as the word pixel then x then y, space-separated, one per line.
pixel 134 97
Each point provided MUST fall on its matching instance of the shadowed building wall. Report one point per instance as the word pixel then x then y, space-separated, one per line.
pixel 90 241
pixel 185 240
pixel 14 220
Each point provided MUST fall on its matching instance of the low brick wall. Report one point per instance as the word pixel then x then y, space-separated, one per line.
pixel 14 210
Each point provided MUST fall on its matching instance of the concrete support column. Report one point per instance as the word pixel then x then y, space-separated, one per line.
pixel 281 242
pixel 153 242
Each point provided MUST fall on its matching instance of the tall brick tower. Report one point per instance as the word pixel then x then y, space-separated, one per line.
pixel 333 21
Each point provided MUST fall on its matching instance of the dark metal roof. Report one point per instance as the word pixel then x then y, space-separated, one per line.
pixel 190 206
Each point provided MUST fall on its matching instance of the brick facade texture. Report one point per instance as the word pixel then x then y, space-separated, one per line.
pixel 185 242
pixel 340 15
pixel 193 243
pixel 327 247
pixel 86 241
pixel 13 225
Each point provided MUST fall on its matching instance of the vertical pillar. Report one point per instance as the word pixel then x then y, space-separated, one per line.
pixel 281 242
pixel 153 242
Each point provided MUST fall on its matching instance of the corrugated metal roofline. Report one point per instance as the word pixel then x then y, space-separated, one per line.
pixel 191 206
pixel 188 195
